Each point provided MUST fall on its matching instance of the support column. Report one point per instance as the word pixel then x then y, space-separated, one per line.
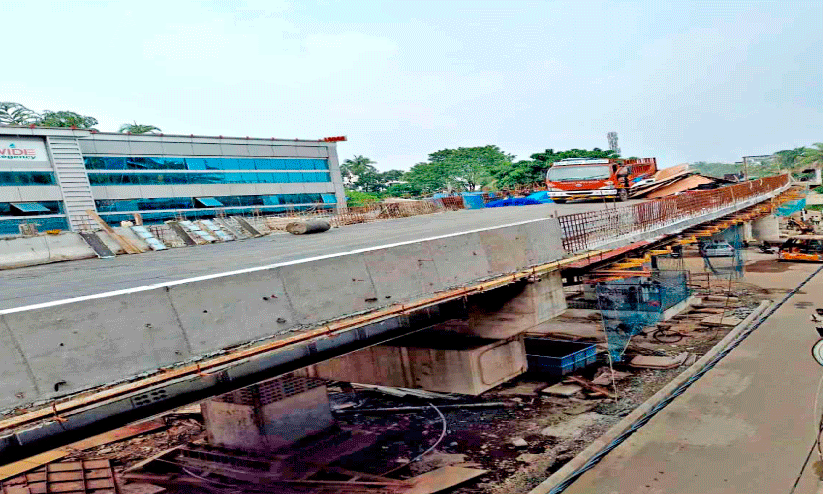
pixel 515 309
pixel 766 228
pixel 746 232
pixel 269 415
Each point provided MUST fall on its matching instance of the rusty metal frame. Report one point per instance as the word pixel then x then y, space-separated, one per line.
pixel 581 231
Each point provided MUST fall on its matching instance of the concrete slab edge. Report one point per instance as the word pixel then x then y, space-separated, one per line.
pixel 570 469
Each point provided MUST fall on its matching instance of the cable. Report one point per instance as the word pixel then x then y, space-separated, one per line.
pixel 439 439
pixel 677 392
pixel 424 453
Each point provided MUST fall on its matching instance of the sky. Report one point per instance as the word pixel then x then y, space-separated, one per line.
pixel 682 81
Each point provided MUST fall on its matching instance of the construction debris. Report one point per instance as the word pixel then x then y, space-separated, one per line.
pixel 442 479
pixel 562 389
pixel 591 386
pixel 310 226
pixel 721 320
pixel 649 362
pixel 81 477
pixel 419 409
pixel 21 466
pixel 406 392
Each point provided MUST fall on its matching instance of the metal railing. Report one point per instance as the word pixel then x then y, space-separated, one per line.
pixel 583 231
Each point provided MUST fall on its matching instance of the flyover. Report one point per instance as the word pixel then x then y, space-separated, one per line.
pixel 155 341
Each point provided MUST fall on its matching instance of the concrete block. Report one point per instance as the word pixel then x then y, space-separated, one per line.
pixel 508 249
pixel 515 309
pixel 67 247
pixel 401 273
pixel 87 343
pixel 29 251
pixel 318 290
pixel 16 379
pixel 226 311
pixel 436 361
pixel 459 259
pixel 269 415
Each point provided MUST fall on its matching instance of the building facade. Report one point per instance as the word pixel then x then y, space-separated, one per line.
pixel 52 177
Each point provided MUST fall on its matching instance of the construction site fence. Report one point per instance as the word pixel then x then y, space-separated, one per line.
pixel 584 231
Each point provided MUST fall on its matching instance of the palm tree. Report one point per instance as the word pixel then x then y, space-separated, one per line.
pixel 16 114
pixel 136 128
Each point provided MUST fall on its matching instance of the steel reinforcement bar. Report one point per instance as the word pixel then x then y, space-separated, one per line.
pixel 584 231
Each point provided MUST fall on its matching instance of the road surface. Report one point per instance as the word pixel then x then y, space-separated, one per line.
pixel 58 281
pixel 744 427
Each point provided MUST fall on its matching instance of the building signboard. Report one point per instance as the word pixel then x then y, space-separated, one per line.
pixel 23 151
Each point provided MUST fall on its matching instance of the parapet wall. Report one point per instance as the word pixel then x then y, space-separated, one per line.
pixel 58 348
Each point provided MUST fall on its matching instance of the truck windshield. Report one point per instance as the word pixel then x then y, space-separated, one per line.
pixel 575 173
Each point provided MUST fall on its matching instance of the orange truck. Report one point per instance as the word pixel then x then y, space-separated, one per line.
pixel 589 178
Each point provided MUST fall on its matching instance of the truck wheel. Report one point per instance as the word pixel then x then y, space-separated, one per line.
pixel 623 195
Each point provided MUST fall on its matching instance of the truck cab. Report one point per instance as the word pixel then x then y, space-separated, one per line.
pixel 585 178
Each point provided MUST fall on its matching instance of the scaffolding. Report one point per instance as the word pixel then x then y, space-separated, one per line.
pixel 630 305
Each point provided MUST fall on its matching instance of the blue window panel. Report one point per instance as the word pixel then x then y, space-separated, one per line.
pixel 271 200
pixel 26 178
pixel 30 207
pixel 214 164
pixel 329 198
pixel 246 163
pixel 208 202
pixel 295 178
pixel 195 163
pixel 265 164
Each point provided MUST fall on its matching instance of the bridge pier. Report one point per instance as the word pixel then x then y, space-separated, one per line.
pixel 269 415
pixel 516 308
pixel 467 357
pixel 766 228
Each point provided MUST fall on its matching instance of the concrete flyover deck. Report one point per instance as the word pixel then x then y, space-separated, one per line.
pixel 745 426
pixel 50 282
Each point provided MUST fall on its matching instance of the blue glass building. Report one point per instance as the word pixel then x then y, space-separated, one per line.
pixel 53 177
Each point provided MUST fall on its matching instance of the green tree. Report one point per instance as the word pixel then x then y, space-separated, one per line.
pixel 136 128
pixel 527 172
pixel 469 168
pixel 16 114
pixel 360 174
pixel 428 177
pixel 357 198
pixel 391 176
pixel 405 189
pixel 812 155
pixel 66 119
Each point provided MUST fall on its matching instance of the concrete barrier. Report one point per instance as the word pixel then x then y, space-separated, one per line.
pixel 30 251
pixel 62 347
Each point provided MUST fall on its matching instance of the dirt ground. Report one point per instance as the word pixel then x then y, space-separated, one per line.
pixel 533 434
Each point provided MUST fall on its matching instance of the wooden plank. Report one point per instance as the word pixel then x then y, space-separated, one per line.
pixel 68 466
pixel 591 386
pixel 65 476
pixel 121 240
pixel 441 479
pixel 20 466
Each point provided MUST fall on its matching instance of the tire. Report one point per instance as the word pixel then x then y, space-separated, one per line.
pixel 622 195
pixel 559 201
